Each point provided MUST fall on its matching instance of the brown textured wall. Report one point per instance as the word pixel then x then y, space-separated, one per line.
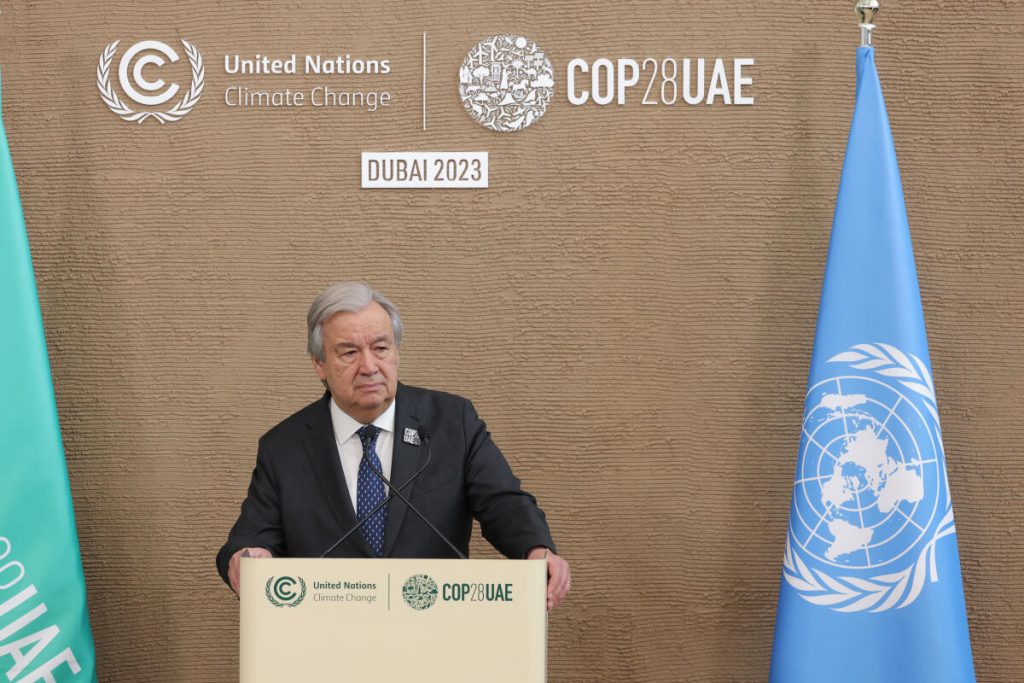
pixel 631 304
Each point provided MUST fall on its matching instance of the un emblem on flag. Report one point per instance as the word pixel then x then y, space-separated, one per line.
pixel 870 498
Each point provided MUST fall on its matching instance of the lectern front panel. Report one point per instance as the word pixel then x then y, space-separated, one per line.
pixel 393 620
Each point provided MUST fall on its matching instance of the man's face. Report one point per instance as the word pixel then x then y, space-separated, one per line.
pixel 360 362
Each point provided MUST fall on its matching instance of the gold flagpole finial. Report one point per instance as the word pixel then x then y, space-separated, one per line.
pixel 867 9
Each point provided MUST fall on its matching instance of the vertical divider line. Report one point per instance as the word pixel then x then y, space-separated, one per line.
pixel 424 80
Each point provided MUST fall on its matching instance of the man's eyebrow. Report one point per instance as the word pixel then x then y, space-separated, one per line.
pixel 352 345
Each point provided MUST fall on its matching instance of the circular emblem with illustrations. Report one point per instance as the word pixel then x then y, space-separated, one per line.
pixel 506 82
pixel 870 498
pixel 420 592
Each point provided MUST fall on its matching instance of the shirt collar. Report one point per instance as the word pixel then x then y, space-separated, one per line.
pixel 345 425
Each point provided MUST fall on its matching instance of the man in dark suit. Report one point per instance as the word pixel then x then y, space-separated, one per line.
pixel 314 477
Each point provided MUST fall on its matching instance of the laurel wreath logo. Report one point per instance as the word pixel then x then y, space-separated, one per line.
pixel 111 99
pixel 276 603
pixel 885 591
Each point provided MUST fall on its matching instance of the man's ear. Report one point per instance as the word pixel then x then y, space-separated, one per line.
pixel 319 367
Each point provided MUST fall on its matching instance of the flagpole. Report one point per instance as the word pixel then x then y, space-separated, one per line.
pixel 867 9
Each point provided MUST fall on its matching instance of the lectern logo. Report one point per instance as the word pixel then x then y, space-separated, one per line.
pixel 156 92
pixel 506 82
pixel 282 592
pixel 420 592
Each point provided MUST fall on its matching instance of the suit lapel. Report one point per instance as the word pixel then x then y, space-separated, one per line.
pixel 406 459
pixel 322 450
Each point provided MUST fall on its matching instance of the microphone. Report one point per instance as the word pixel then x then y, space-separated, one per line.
pixel 423 435
pixel 393 491
pixel 396 492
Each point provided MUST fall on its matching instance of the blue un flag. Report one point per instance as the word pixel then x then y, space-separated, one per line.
pixel 871 589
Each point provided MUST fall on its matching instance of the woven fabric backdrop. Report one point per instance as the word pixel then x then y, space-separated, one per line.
pixel 631 305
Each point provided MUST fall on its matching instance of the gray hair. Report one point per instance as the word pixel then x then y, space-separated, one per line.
pixel 345 297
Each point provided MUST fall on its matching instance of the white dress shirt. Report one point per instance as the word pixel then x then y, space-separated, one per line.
pixel 350 448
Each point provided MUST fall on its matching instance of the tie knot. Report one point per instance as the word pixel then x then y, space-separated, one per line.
pixel 368 434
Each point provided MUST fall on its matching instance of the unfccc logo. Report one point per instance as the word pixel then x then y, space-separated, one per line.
pixel 285 591
pixel 139 89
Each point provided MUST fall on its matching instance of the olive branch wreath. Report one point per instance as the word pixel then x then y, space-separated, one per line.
pixel 111 99
pixel 885 591
pixel 276 603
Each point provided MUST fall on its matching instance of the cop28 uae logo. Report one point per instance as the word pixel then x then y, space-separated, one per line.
pixel 142 91
pixel 506 82
pixel 870 501
pixel 281 591
pixel 420 592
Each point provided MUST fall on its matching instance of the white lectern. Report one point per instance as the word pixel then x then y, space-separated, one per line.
pixel 393 620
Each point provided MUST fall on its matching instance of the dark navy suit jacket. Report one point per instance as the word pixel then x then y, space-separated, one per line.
pixel 298 503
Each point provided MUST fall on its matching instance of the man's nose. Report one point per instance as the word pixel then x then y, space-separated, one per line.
pixel 367 363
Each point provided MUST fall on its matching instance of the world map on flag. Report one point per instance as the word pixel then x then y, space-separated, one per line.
pixel 868 482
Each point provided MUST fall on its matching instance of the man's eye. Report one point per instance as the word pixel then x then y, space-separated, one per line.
pixel 380 349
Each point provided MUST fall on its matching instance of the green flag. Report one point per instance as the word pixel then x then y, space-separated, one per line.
pixel 44 622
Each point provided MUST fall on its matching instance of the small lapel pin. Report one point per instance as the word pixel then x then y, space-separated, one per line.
pixel 411 436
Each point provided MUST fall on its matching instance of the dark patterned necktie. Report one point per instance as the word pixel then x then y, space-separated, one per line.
pixel 370 491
